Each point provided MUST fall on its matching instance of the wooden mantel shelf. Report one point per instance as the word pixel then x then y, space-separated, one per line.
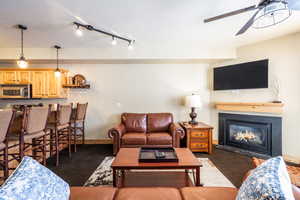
pixel 275 108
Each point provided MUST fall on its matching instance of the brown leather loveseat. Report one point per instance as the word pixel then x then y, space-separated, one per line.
pixel 146 130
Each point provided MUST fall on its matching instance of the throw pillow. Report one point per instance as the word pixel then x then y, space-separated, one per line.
pixel 31 180
pixel 270 180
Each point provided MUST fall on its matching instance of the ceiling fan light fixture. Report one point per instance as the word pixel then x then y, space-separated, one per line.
pixel 272 14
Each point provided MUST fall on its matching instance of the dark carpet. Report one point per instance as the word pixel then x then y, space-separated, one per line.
pixel 77 169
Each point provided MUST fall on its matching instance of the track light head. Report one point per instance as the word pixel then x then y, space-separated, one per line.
pixel 114 41
pixel 130 45
pixel 78 31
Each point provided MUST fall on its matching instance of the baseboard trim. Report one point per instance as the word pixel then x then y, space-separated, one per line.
pixel 98 141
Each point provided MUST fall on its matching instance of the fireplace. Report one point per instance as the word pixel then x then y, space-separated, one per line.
pixel 250 134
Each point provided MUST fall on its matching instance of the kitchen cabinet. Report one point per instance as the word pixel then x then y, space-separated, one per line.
pixel 44 82
pixel 39 84
pixel 10 77
pixel 1 77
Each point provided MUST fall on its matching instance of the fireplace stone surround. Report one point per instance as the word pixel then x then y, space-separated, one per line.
pixel 252 135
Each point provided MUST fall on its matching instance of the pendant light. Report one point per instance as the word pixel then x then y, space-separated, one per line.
pixel 22 63
pixel 57 71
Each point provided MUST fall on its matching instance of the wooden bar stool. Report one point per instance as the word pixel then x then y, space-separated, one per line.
pixel 78 124
pixel 60 127
pixel 6 118
pixel 32 136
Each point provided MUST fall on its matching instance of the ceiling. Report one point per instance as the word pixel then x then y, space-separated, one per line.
pixel 160 27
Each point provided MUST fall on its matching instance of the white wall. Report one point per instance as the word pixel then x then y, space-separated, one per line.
pixel 284 65
pixel 118 88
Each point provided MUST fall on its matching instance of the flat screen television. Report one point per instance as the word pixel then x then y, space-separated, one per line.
pixel 242 76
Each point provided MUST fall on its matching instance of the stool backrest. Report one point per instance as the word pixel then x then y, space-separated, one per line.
pixel 6 118
pixel 81 111
pixel 64 113
pixel 35 119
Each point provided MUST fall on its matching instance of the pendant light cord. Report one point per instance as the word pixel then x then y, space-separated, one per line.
pixel 22 53
pixel 57 59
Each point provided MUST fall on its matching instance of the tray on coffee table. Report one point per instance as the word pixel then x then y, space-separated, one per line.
pixel 149 155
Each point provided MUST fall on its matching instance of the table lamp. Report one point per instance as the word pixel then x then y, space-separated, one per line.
pixel 193 101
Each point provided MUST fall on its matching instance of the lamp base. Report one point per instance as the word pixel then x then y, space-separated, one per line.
pixel 193 116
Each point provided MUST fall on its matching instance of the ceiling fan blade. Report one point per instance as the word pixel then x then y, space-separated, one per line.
pixel 248 24
pixel 236 12
pixel 294 4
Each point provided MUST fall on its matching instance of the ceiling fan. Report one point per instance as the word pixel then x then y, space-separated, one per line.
pixel 267 10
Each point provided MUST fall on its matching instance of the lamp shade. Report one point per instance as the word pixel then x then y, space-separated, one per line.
pixel 193 101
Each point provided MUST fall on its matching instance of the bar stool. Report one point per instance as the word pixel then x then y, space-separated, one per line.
pixel 60 133
pixel 6 118
pixel 32 136
pixel 78 124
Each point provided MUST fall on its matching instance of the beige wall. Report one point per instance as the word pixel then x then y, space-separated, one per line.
pixel 118 88
pixel 284 65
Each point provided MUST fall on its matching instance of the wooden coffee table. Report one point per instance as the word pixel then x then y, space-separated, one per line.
pixel 127 159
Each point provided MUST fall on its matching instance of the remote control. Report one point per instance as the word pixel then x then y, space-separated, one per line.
pixel 159 154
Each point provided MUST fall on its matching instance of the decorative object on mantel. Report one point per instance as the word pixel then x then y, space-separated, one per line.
pixel 276 90
pixel 275 108
pixel 77 81
pixel 22 63
pixel 193 101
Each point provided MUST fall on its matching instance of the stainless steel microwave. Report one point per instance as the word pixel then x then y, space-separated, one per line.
pixel 15 91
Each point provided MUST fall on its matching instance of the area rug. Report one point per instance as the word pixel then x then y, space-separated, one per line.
pixel 209 176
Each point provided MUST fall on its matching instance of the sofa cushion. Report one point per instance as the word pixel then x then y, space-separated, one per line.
pixel 270 180
pixel 159 122
pixel 208 193
pixel 32 180
pixel 155 193
pixel 134 122
pixel 92 193
pixel 134 139
pixel 159 139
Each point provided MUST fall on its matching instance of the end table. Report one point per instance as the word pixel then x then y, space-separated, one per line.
pixel 199 137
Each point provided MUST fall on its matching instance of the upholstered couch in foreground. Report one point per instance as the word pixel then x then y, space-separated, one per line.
pixel 187 193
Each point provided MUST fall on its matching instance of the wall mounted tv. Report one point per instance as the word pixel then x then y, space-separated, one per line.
pixel 242 76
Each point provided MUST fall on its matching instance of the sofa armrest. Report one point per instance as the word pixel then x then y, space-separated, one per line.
pixel 116 131
pixel 177 133
pixel 175 129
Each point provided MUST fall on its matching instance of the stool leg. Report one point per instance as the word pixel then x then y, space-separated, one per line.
pixel 33 144
pixel 21 148
pixel 69 140
pixel 74 134
pixel 57 147
pixel 5 159
pixel 44 150
pixel 83 132
pixel 51 142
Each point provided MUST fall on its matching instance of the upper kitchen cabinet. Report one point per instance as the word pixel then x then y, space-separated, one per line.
pixel 44 82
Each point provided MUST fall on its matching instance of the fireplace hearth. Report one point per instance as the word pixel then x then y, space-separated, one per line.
pixel 252 135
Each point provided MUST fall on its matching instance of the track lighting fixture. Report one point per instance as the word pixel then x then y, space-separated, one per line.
pixel 22 63
pixel 114 41
pixel 130 45
pixel 114 36
pixel 57 71
pixel 78 31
